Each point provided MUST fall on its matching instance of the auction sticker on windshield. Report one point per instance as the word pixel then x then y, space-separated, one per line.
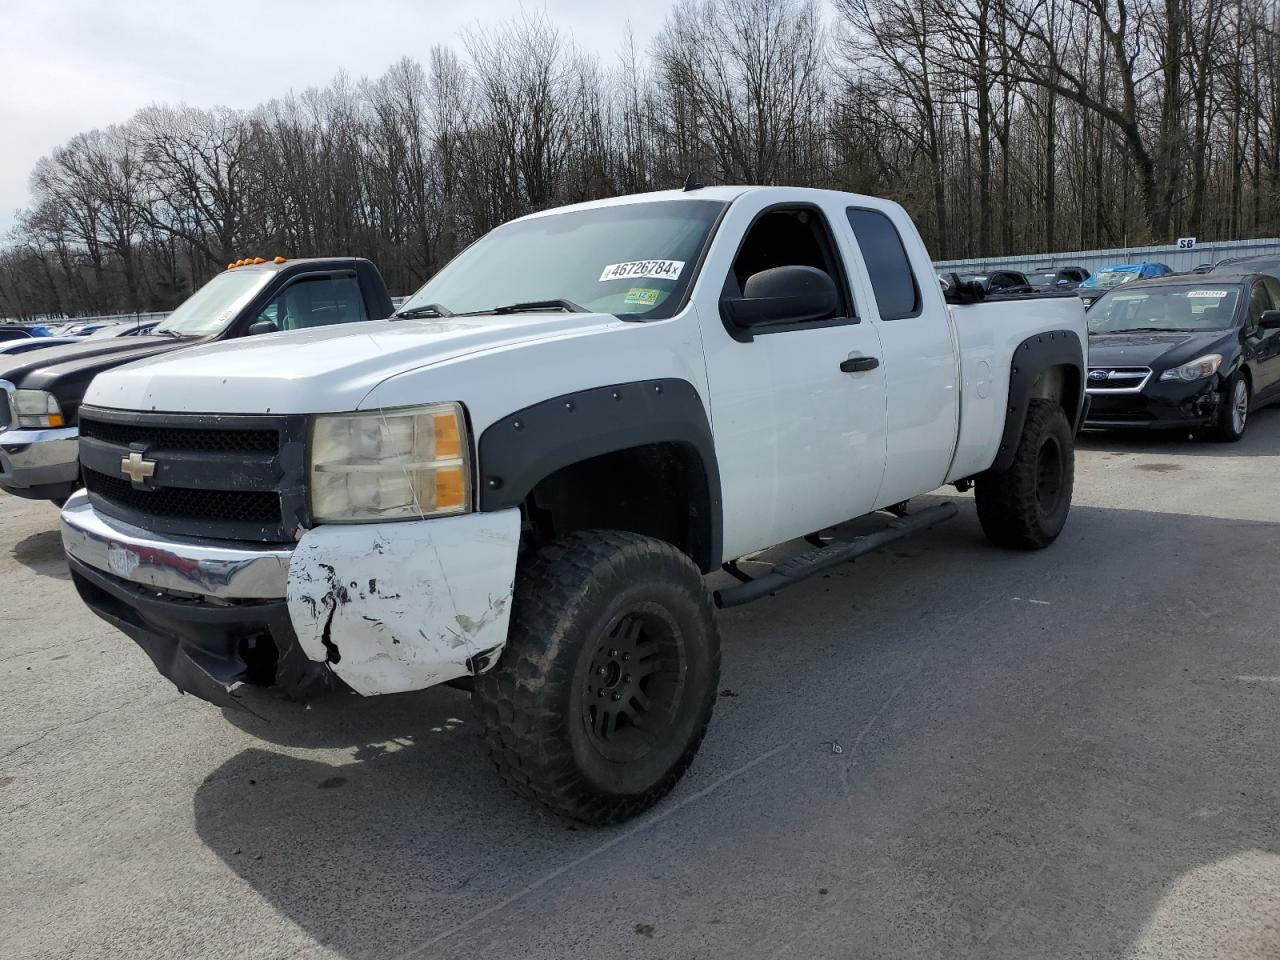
pixel 649 269
pixel 1216 294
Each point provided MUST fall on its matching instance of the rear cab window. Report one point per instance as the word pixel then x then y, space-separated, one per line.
pixel 893 281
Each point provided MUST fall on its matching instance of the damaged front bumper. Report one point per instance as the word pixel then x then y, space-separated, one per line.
pixel 1168 404
pixel 369 607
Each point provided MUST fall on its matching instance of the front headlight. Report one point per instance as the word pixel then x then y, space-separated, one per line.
pixel 1197 369
pixel 390 465
pixel 36 409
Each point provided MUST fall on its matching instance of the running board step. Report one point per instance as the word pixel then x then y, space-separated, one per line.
pixel 794 569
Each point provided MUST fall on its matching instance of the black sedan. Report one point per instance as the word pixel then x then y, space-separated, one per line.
pixel 1185 352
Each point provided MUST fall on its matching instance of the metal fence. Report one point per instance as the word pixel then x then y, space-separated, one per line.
pixel 1092 260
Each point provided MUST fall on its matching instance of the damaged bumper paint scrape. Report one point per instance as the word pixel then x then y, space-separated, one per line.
pixel 402 606
pixel 378 608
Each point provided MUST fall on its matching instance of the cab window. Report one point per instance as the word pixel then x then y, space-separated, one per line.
pixel 892 280
pixel 315 302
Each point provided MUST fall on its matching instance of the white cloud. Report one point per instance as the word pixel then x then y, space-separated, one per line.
pixel 74 65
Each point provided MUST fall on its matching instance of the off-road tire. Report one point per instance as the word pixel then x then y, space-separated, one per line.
pixel 1025 506
pixel 1227 429
pixel 539 705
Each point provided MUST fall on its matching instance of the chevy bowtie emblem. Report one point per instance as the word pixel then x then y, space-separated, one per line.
pixel 136 468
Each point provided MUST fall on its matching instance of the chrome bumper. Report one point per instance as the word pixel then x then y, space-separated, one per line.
pixel 36 458
pixel 186 565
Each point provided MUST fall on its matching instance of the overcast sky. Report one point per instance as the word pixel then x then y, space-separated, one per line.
pixel 72 65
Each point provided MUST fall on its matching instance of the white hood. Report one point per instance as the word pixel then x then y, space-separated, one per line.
pixel 324 370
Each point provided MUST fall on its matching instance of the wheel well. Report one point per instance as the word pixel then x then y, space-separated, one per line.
pixel 658 490
pixel 1062 384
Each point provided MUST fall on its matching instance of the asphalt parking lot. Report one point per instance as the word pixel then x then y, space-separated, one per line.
pixel 1074 753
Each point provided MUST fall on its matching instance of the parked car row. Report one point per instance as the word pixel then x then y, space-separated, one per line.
pixel 74 330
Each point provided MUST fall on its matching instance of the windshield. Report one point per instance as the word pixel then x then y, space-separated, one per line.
pixel 211 308
pixel 1168 308
pixel 631 260
pixel 1043 279
pixel 1111 278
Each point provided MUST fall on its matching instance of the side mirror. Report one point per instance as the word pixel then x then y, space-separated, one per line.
pixel 791 294
pixel 262 326
pixel 1270 320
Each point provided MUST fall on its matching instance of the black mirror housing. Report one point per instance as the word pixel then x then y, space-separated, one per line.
pixel 790 294
pixel 959 291
pixel 262 326
pixel 1270 320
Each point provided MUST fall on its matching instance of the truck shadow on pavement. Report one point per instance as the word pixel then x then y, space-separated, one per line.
pixel 42 553
pixel 1064 753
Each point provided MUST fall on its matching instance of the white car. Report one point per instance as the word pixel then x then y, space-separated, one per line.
pixel 521 479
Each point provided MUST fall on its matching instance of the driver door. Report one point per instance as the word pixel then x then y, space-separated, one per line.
pixel 800 441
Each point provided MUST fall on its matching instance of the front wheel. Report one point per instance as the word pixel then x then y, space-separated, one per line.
pixel 1233 410
pixel 608 679
pixel 1025 506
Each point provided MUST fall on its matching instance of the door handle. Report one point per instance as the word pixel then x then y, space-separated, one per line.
pixel 858 364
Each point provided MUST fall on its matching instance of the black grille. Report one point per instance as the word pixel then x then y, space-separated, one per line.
pixel 181 438
pixel 218 506
pixel 229 477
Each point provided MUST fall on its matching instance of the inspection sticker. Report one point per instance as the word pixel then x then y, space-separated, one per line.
pixel 650 269
pixel 642 296
pixel 1217 294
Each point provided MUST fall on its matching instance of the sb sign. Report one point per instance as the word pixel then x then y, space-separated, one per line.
pixel 1186 243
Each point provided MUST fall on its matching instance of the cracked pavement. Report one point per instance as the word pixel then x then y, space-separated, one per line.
pixel 1074 753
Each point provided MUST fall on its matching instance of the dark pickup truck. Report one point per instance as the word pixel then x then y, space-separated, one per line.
pixel 42 389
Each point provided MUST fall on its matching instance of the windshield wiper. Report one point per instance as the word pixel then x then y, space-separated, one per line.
pixel 568 306
pixel 1149 330
pixel 169 333
pixel 426 310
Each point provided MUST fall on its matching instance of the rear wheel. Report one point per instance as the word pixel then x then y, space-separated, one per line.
pixel 1233 410
pixel 606 686
pixel 1025 505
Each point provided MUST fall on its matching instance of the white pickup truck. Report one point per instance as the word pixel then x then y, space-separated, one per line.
pixel 521 479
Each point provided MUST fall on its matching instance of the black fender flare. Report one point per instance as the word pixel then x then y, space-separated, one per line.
pixel 519 450
pixel 1034 356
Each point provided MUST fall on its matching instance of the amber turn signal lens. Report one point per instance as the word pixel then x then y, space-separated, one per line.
pixel 450 488
pixel 448 442
pixel 278 260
